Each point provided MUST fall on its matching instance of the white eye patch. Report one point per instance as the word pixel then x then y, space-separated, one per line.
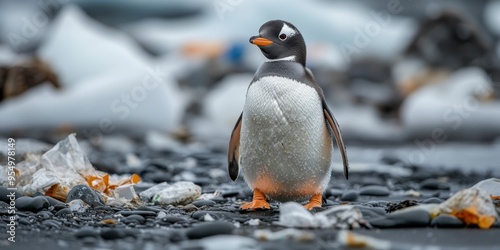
pixel 286 32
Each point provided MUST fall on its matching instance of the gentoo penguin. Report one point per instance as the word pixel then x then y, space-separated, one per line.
pixel 283 140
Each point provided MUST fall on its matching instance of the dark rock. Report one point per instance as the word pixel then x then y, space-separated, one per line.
pixel 447 221
pixel 86 232
pixel 432 200
pixel 44 215
pixel 394 206
pixel 138 212
pixel 26 203
pixel 64 212
pixel 371 212
pixel 173 219
pixel 4 194
pixel 390 159
pixel 210 229
pixel 177 236
pixel 24 221
pixel 434 184
pixel 201 203
pixel 116 233
pixel 135 218
pixel 374 190
pixel 333 192
pixel 350 195
pixel 86 194
pixel 230 194
pixel 403 218
pixel 52 224
pixel 55 203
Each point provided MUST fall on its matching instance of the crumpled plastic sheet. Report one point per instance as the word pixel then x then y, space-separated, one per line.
pixel 179 193
pixel 61 168
pixel 354 240
pixel 492 186
pixel 473 206
pixel 292 214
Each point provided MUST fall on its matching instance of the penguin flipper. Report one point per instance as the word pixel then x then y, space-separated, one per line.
pixel 335 128
pixel 233 153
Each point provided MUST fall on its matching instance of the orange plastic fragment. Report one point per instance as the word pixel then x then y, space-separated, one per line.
pixel 495 197
pixel 352 241
pixel 58 192
pixel 470 216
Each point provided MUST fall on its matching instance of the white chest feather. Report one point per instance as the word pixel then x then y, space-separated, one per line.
pixel 284 139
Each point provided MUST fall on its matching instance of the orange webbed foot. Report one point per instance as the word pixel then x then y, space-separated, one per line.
pixel 315 201
pixel 258 202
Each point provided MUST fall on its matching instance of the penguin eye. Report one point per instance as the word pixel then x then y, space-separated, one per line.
pixel 282 37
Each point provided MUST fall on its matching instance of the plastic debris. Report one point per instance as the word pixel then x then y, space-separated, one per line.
pixel 293 214
pixel 63 167
pixel 179 193
pixel 350 239
pixel 289 233
pixel 492 186
pixel 473 206
pixel 78 206
pixel 210 196
pixel 147 194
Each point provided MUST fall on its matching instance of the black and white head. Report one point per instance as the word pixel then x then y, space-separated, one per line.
pixel 280 40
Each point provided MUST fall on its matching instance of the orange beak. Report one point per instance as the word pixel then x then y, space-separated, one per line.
pixel 260 41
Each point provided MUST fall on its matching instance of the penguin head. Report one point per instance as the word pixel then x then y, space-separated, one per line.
pixel 279 39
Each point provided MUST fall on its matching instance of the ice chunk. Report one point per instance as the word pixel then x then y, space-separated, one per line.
pixel 95 48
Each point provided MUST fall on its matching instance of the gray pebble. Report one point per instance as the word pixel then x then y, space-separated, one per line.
pixel 374 190
pixel 86 194
pixel 86 232
pixel 403 218
pixel 135 218
pixel 447 221
pixel 64 212
pixel 201 203
pixel 52 224
pixel 35 204
pixel 350 195
pixel 210 229
pixel 432 200
pixel 434 184
pixel 138 212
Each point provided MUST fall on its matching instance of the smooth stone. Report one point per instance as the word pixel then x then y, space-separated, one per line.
pixel 4 192
pixel 334 192
pixel 177 236
pixel 116 233
pixel 374 190
pixel 138 212
pixel 371 212
pixel 229 194
pixel 432 200
pixel 24 221
pixel 55 202
pixel 52 224
pixel 35 204
pixel 350 195
pixel 434 184
pixel 403 218
pixel 210 229
pixel 201 203
pixel 447 221
pixel 45 215
pixel 134 218
pixel 173 219
pixel 64 212
pixel 86 194
pixel 86 232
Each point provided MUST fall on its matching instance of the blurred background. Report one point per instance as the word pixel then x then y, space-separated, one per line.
pixel 394 72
